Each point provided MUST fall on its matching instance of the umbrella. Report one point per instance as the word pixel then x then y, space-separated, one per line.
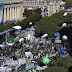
pixel 10 41
pixel 62 51
pixel 17 31
pixel 56 33
pixel 17 27
pixel 46 60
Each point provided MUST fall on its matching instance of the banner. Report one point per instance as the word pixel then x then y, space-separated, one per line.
pixel 45 12
pixel 1 11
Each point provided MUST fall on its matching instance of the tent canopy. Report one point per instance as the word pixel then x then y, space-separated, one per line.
pixel 17 27
pixel 64 37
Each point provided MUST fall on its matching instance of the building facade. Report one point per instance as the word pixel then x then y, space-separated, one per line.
pixel 14 9
pixel 48 7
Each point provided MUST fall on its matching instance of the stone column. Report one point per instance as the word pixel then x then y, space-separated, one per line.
pixel 15 13
pixel 18 12
pixel 4 15
pixel 10 14
pixel 7 13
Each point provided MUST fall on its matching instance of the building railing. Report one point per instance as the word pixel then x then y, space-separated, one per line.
pixel 12 1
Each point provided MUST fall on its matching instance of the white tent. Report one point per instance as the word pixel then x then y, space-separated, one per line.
pixel 17 27
pixel 30 23
pixel 65 14
pixel 45 35
pixel 64 37
pixel 21 39
pixel 64 25
pixel 28 36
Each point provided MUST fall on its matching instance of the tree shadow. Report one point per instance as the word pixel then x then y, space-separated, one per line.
pixel 70 69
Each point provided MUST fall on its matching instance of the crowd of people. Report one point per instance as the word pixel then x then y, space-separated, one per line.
pixel 39 47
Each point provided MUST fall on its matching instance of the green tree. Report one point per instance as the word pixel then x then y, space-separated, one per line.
pixel 38 10
pixel 68 3
pixel 65 62
pixel 56 69
pixel 32 12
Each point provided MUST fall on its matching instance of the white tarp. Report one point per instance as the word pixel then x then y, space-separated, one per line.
pixel 41 68
pixel 1 45
pixel 65 14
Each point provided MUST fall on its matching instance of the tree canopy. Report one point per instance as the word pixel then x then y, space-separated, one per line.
pixel 68 3
pixel 56 69
pixel 65 62
pixel 32 12
pixel 52 24
pixel 61 65
pixel 31 18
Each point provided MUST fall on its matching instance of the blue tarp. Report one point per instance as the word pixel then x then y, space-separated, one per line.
pixel 29 66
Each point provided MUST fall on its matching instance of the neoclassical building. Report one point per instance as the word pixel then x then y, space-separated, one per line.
pixel 14 9
pixel 48 7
